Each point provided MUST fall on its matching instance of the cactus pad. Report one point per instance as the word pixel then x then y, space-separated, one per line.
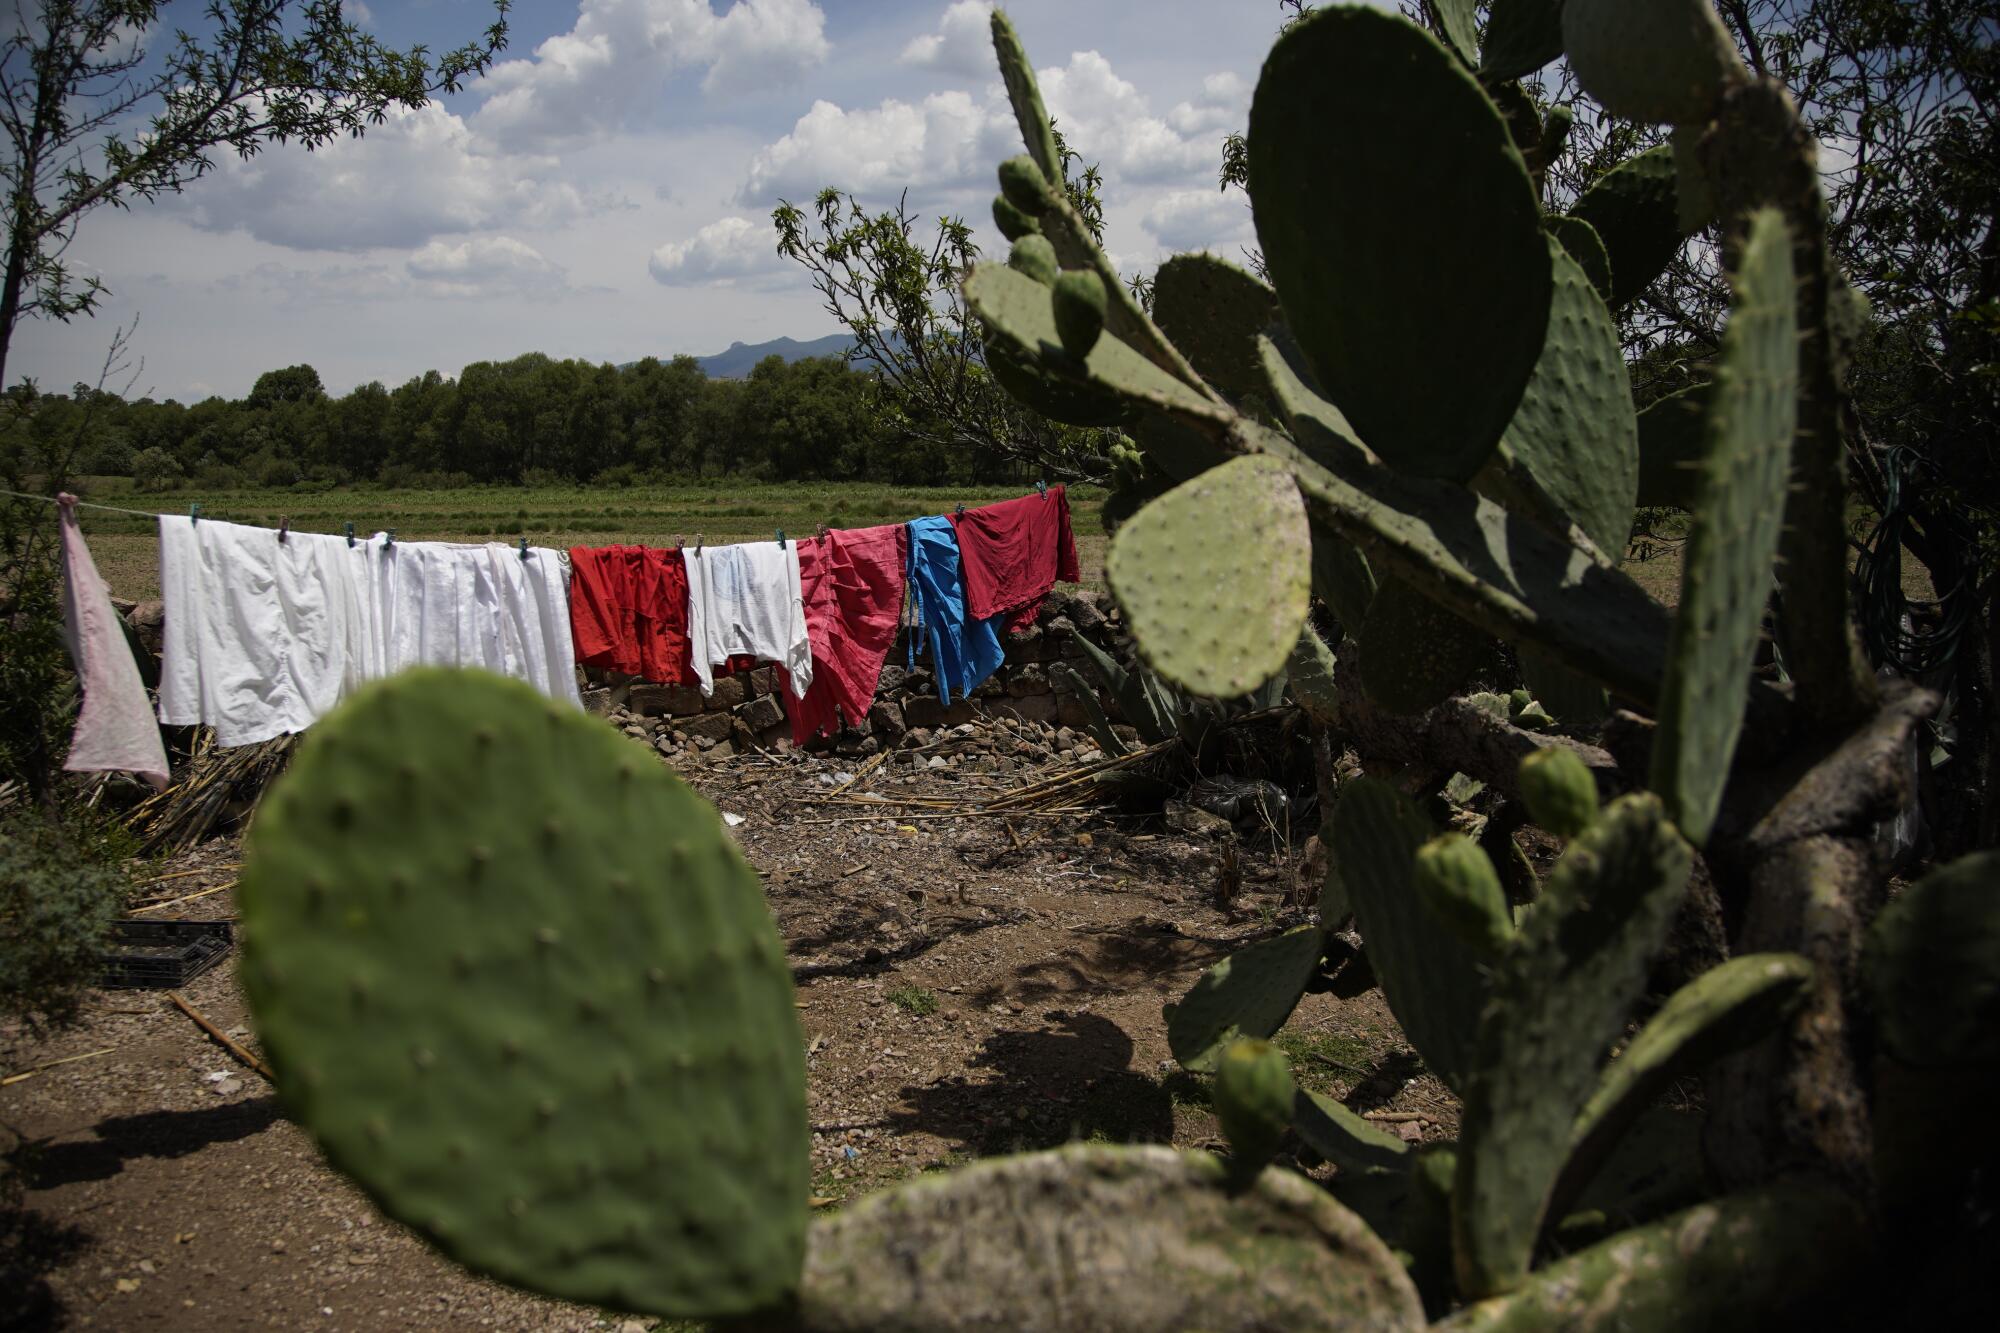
pixel 1724 1009
pixel 1057 397
pixel 1458 25
pixel 1248 994
pixel 1253 1092
pixel 1020 319
pixel 1581 242
pixel 1078 304
pixel 1413 653
pixel 521 986
pixel 1635 212
pixel 1097 1239
pixel 1389 275
pixel 1213 311
pixel 1435 984
pixel 1310 673
pixel 1666 61
pixel 1026 97
pixel 1034 256
pixel 1521 37
pixel 1726 567
pixel 1559 998
pixel 1214 577
pixel 1931 965
pixel 1344 1138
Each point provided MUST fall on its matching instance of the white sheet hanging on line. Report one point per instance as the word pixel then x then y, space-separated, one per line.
pixel 115 730
pixel 263 637
pixel 746 599
pixel 467 605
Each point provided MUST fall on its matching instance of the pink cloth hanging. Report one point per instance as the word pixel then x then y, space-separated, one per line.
pixel 115 729
pixel 852 581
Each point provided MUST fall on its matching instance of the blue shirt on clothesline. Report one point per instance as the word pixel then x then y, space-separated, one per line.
pixel 963 652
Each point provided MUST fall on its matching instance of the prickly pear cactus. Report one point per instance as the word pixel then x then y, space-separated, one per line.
pixel 1659 60
pixel 522 988
pixel 1558 790
pixel 1248 994
pixel 1461 890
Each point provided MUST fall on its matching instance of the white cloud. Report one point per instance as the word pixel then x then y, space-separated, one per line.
pixel 944 142
pixel 728 251
pixel 359 13
pixel 614 64
pixel 1199 220
pixel 485 266
pixel 415 176
pixel 1224 105
pixel 962 44
pixel 1108 120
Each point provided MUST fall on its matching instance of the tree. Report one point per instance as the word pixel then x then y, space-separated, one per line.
pixel 79 79
pixel 900 300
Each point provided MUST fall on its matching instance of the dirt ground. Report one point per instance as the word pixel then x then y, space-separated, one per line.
pixel 967 986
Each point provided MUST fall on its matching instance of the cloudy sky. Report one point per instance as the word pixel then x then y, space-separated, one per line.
pixel 605 191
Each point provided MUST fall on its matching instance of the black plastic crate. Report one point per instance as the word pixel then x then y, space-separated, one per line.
pixel 159 955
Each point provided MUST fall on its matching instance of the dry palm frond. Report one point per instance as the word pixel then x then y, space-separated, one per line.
pixel 217 788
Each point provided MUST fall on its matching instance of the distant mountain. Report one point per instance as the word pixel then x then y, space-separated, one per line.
pixel 735 363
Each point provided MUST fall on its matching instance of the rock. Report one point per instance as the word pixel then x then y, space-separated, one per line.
pixel 1027 680
pixel 938 761
pixel 886 719
pixel 764 680
pixel 892 681
pixel 730 692
pixel 1036 708
pixel 722 750
pixel 597 702
pixel 778 738
pixel 709 727
pixel 1184 818
pixel 917 736
pixel 671 700
pixel 761 712
pixel 923 710
pixel 1065 738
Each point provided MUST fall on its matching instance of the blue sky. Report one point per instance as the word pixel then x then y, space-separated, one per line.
pixel 605 191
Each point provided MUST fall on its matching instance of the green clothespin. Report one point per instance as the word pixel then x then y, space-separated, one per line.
pixel 781 537
pixel 194 512
pixel 524 548
pixel 350 534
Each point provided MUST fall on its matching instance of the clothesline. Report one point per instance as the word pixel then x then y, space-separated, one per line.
pixel 86 504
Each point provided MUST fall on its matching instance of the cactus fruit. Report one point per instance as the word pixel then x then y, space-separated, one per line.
pixel 521 986
pixel 1560 996
pixel 1521 37
pixel 1556 126
pixel 1253 1094
pixel 1213 311
pixel 1558 790
pixel 1034 256
pixel 1435 984
pixel 1931 966
pixel 1738 1264
pixel 1460 889
pixel 1666 61
pixel 1023 185
pixel 1078 300
pixel 1012 222
pixel 1104 1239
pixel 1248 994
pixel 1731 1006
pixel 1726 569
pixel 1213 577
pixel 1635 210
pixel 1452 252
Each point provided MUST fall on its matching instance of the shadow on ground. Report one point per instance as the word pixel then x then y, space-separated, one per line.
pixel 42 1165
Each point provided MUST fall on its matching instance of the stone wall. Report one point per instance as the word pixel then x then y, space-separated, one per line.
pixel 745 709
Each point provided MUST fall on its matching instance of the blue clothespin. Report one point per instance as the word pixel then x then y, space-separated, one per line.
pixel 350 534
pixel 194 512
pixel 524 548
pixel 781 538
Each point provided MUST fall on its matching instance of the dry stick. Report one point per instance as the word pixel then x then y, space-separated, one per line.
pixel 184 898
pixel 228 1043
pixel 187 874
pixel 862 772
pixel 1060 812
pixel 51 1064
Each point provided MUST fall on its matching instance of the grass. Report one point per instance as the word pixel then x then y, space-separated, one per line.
pixel 913 999
pixel 1321 1059
pixel 718 512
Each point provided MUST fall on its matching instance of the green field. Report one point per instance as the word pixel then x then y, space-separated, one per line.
pixel 126 550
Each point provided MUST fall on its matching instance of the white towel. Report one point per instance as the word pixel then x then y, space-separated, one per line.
pixel 746 599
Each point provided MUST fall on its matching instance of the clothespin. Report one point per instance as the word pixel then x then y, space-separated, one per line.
pixel 194 512
pixel 699 541
pixel 391 541
pixel 961 508
pixel 679 545
pixel 781 538
pixel 524 548
pixel 284 527
pixel 823 530
pixel 1043 487
pixel 350 534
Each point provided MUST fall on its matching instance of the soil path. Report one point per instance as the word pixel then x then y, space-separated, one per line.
pixel 960 995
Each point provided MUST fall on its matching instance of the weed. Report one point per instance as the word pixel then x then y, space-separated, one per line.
pixel 914 999
pixel 1321 1059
